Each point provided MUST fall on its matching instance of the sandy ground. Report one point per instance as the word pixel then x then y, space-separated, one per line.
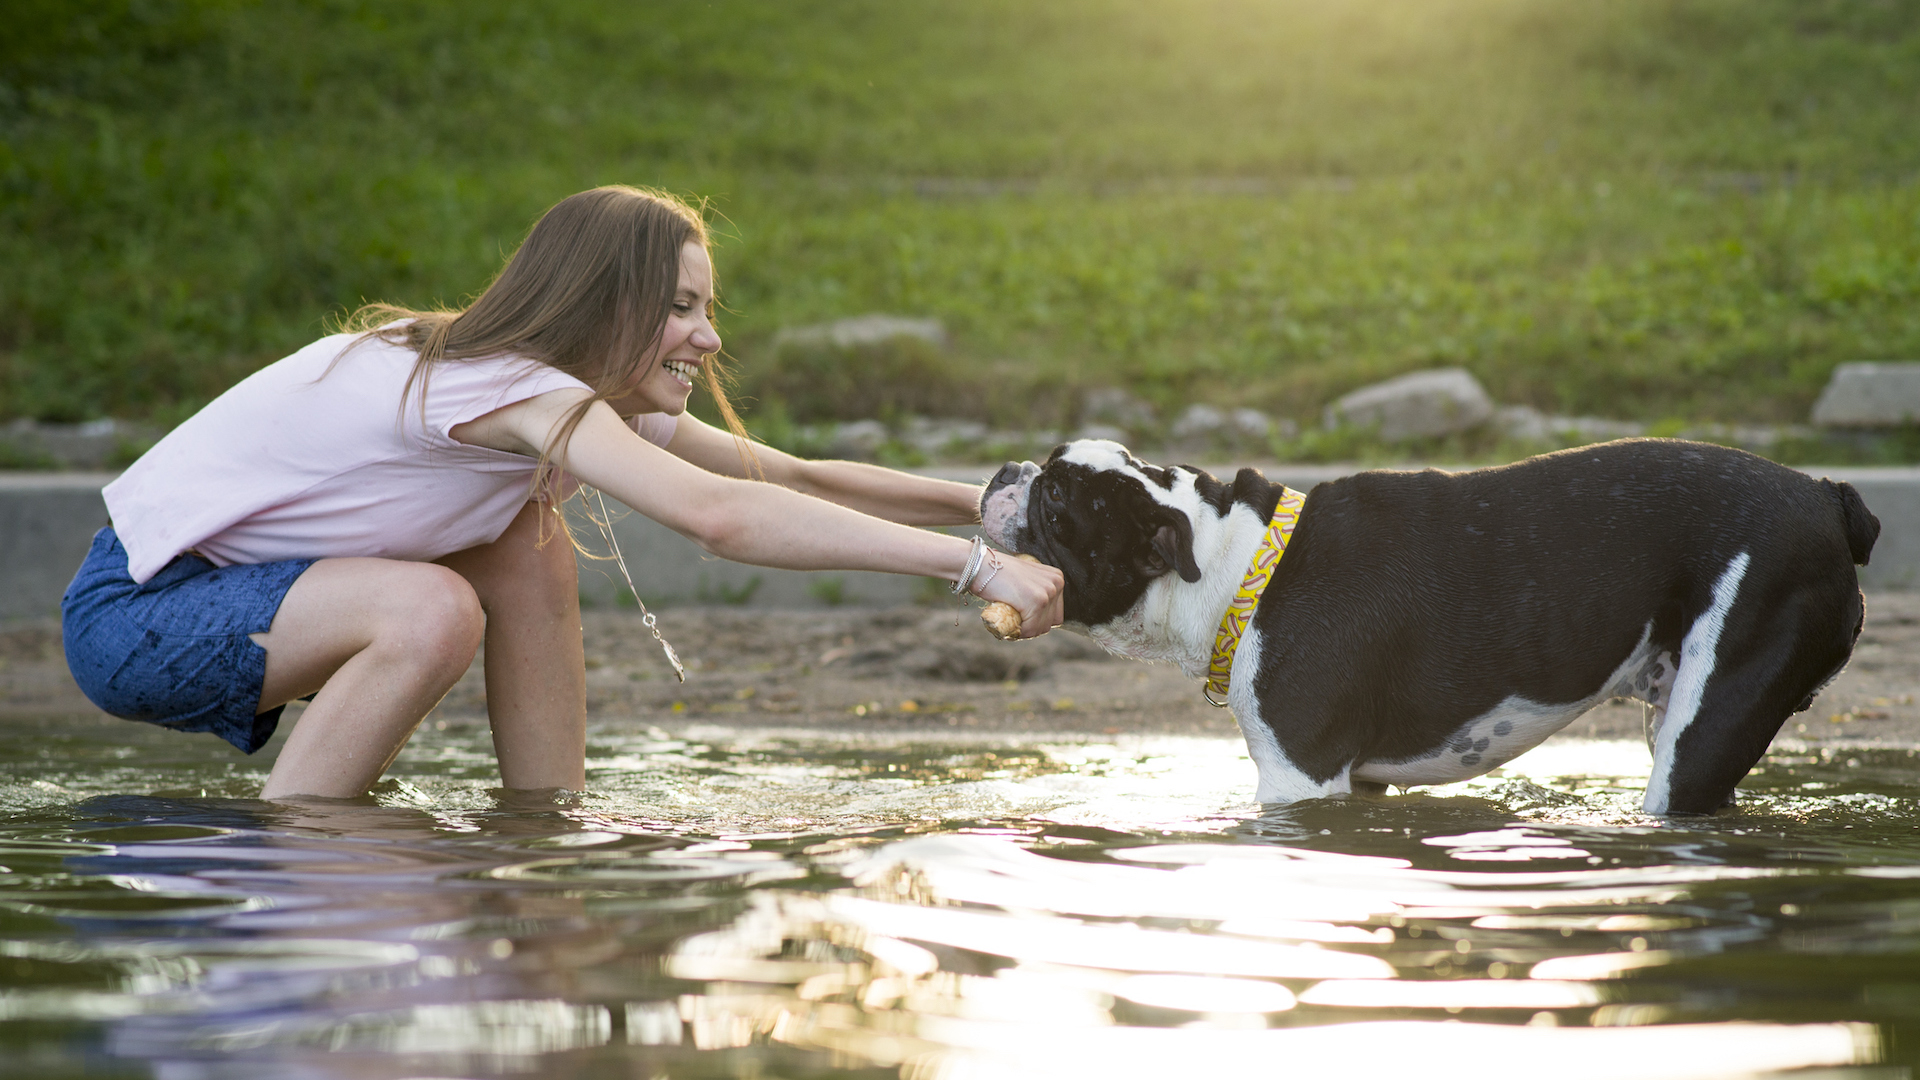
pixel 935 669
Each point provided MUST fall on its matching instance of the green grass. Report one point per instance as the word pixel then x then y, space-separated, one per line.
pixel 1643 208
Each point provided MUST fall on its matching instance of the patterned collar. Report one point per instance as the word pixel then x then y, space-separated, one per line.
pixel 1240 612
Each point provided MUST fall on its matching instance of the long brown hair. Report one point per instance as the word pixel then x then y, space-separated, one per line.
pixel 588 293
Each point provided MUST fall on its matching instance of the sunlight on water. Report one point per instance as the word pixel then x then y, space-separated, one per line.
pixel 760 903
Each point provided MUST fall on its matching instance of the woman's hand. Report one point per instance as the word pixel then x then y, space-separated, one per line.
pixel 1033 588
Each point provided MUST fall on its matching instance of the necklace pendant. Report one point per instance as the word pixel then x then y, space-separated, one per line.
pixel 673 658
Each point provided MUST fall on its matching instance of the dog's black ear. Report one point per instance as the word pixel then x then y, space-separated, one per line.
pixel 1173 547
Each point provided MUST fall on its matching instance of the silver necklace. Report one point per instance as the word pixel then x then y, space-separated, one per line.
pixel 646 617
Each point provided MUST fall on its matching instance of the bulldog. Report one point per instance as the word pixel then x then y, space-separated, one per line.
pixel 1407 628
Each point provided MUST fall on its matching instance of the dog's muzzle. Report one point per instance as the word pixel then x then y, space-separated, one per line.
pixel 1003 509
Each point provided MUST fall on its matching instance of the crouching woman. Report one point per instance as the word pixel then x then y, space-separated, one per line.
pixel 355 520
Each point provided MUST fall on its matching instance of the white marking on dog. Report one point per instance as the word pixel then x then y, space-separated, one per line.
pixel 1280 780
pixel 1107 456
pixel 1517 725
pixel 1697 655
pixel 1003 515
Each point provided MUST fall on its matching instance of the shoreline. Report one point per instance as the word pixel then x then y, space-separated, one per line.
pixel 933 672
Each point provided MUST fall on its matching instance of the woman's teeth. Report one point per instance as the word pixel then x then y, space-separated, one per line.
pixel 682 370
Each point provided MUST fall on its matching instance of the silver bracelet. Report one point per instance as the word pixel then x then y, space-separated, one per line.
pixel 993 568
pixel 974 558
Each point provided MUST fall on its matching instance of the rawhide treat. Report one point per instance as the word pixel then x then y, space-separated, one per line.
pixel 1002 620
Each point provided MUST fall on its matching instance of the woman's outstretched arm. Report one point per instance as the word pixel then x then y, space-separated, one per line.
pixel 748 521
pixel 870 489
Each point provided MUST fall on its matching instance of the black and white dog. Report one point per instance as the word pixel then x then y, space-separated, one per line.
pixel 1425 627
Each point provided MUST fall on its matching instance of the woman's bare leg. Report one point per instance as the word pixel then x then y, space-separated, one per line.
pixel 536 666
pixel 381 641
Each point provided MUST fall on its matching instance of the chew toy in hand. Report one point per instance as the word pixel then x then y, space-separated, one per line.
pixel 1002 620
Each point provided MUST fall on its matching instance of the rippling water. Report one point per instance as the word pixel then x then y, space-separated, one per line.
pixel 793 904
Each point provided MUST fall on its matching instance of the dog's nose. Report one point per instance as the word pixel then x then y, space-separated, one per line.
pixel 1008 474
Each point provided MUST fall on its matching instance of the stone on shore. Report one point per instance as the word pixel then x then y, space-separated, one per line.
pixel 1526 423
pixel 858 439
pixel 1870 395
pixel 1114 407
pixel 862 330
pixel 1425 404
pixel 1209 428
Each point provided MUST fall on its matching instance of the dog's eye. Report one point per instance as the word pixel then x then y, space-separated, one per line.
pixel 1053 493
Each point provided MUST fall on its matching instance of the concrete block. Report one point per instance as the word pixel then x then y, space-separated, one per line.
pixel 93 445
pixel 47 522
pixel 1425 404
pixel 1893 494
pixel 1870 395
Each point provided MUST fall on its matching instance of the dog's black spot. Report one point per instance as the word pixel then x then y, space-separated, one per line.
pixel 1480 745
pixel 1503 729
pixel 1470 759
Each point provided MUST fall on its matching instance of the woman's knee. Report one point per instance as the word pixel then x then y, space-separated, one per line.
pixel 437 616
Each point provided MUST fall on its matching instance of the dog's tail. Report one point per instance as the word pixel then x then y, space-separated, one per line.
pixel 1862 527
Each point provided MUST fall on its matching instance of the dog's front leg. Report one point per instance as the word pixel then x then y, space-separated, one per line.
pixel 1281 779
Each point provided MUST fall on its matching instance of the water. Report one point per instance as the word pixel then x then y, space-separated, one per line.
pixel 762 904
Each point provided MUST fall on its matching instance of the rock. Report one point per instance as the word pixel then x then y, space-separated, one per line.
pixel 1207 426
pixel 1112 405
pixel 935 437
pixel 1252 424
pixel 857 439
pixel 1101 431
pixel 1199 423
pixel 1870 395
pixel 1750 436
pixel 1526 423
pixel 1424 404
pixel 862 330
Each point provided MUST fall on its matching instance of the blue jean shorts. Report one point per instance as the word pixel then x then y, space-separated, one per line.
pixel 174 651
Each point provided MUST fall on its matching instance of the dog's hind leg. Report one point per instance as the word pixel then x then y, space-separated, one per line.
pixel 1764 663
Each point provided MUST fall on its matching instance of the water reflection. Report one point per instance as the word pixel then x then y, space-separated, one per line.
pixel 754 904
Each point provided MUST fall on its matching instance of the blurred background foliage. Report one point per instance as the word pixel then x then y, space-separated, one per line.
pixel 1641 209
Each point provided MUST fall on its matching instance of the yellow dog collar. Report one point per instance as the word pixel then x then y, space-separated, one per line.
pixel 1240 612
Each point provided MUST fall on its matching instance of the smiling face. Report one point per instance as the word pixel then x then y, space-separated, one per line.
pixel 686 342
pixel 1089 511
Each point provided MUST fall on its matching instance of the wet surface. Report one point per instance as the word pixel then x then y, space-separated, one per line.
pixel 738 902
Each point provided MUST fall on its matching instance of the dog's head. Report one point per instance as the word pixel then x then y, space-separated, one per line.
pixel 1112 523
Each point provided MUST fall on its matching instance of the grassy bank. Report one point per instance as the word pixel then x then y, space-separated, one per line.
pixel 1646 209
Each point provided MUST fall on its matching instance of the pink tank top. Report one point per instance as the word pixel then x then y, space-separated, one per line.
pixel 289 464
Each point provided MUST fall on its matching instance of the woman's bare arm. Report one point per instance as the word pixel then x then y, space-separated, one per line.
pixel 745 520
pixel 871 489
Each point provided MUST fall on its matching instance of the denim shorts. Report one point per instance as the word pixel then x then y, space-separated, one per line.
pixel 174 651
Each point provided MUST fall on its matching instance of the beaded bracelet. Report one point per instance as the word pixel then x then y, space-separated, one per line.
pixel 993 568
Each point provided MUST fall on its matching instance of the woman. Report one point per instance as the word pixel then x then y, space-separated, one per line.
pixel 353 521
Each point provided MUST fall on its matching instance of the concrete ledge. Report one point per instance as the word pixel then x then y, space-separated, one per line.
pixel 47 521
